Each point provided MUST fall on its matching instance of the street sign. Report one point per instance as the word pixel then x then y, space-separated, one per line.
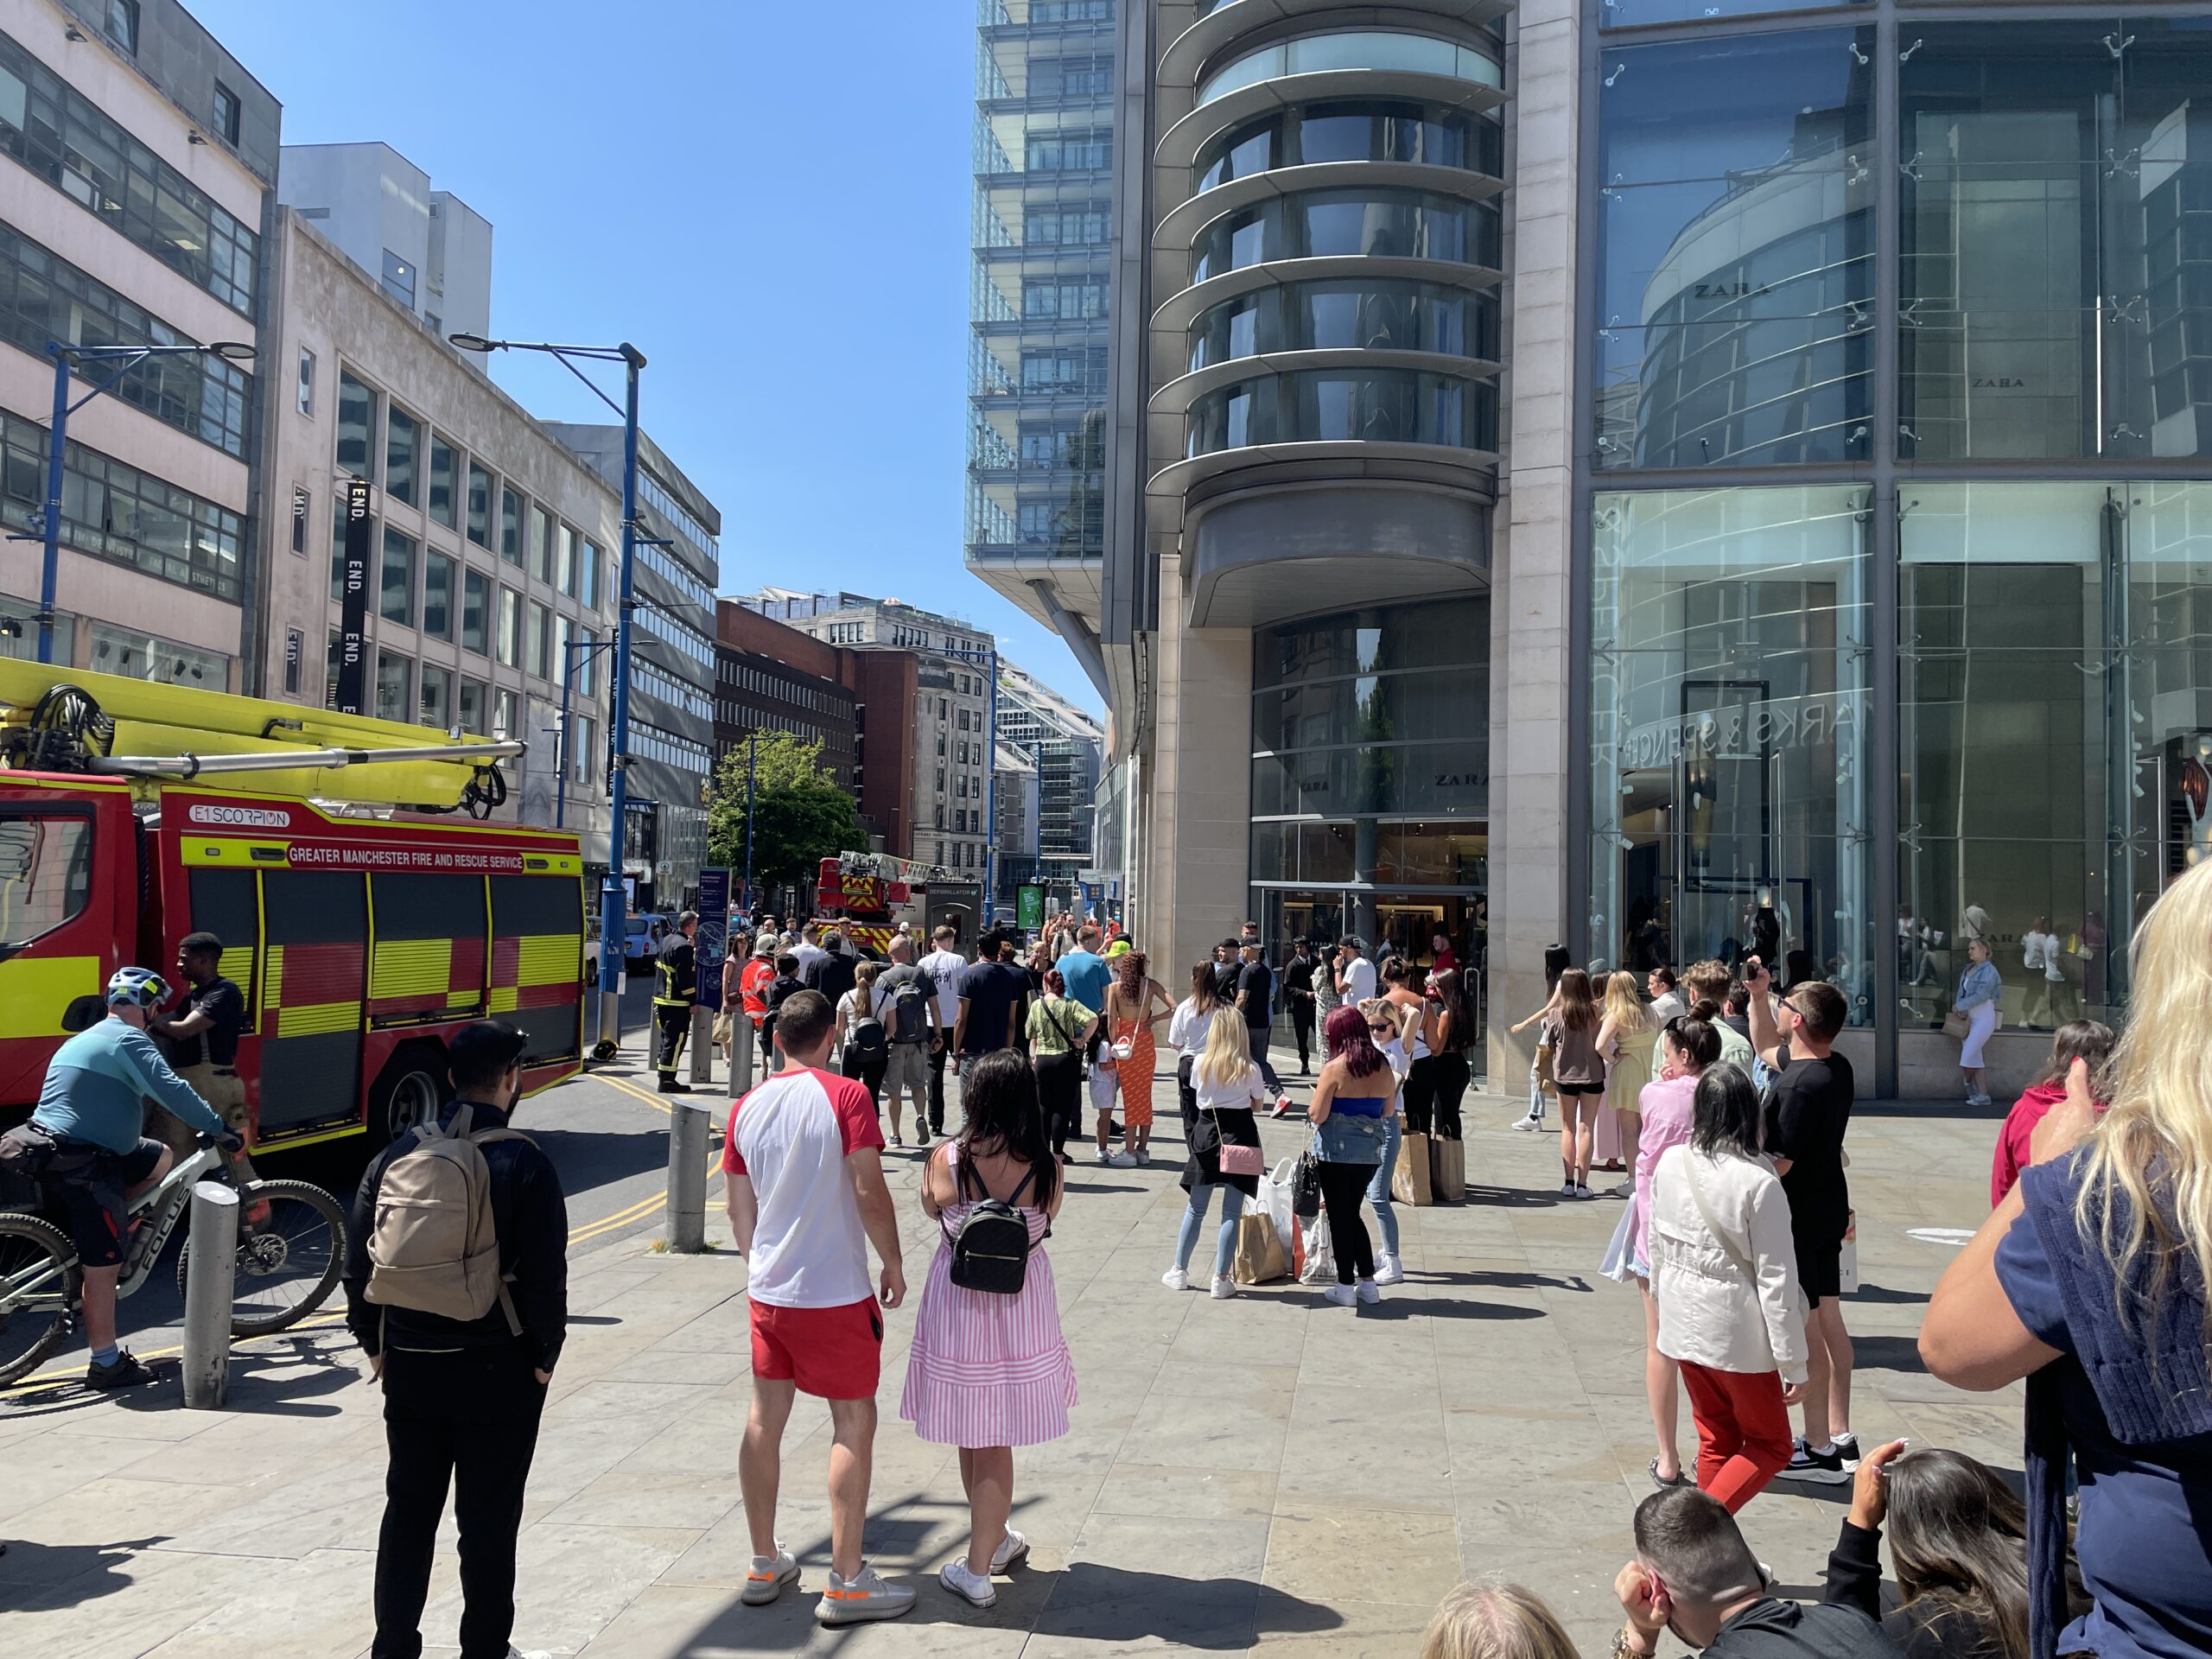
pixel 711 941
pixel 1029 905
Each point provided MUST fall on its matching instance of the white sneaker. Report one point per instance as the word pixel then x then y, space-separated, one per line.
pixel 1222 1288
pixel 1175 1279
pixel 1566 1189
pixel 1583 1191
pixel 1342 1295
pixel 973 1588
pixel 1367 1292
pixel 1105 1159
pixel 769 1575
pixel 1013 1551
pixel 1118 1160
pixel 1282 1107
pixel 514 1652
pixel 1139 1157
pixel 897 1139
pixel 862 1598
pixel 1389 1271
pixel 1531 1123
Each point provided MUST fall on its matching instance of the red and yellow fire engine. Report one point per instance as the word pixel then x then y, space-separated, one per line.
pixel 362 926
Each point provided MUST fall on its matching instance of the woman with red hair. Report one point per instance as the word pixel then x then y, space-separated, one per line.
pixel 1354 1096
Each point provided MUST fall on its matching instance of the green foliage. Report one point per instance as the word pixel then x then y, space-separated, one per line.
pixel 800 814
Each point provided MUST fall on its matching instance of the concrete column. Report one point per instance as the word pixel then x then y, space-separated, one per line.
pixel 1530 745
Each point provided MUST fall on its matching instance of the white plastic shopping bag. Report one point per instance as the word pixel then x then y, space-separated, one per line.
pixel 1275 1202
pixel 1320 1260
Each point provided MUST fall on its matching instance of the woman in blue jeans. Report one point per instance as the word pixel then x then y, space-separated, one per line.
pixel 1387 1024
pixel 1218 1111
pixel 1355 1104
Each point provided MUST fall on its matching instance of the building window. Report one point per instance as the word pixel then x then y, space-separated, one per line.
pixel 444 463
pixel 393 674
pixel 300 506
pixel 226 114
pixel 305 397
pixel 539 637
pixel 403 443
pixel 509 635
pixel 541 544
pixel 468 708
pixel 587 660
pixel 511 526
pixel 589 593
pixel 396 598
pixel 294 649
pixel 338 546
pixel 475 600
pixel 123 24
pixel 357 428
pixel 583 750
pixel 480 505
pixel 565 565
pixel 399 279
pixel 437 598
pixel 436 686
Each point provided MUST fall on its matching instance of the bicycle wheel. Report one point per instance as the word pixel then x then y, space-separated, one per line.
pixel 39 1284
pixel 288 1263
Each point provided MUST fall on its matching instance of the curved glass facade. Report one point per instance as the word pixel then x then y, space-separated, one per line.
pixel 1364 129
pixel 1381 50
pixel 1371 776
pixel 1346 405
pixel 1349 315
pixel 1379 223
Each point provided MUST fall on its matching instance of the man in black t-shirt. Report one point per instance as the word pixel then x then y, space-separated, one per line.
pixel 202 1041
pixel 1297 998
pixel 1808 1111
pixel 1255 996
pixel 991 995
pixel 1227 970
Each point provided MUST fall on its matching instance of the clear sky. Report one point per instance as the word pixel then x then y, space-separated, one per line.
pixel 772 201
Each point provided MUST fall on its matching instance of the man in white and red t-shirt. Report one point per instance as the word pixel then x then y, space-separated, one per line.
pixel 805 1171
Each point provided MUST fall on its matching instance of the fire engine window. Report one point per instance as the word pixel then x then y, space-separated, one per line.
pixel 227 904
pixel 46 869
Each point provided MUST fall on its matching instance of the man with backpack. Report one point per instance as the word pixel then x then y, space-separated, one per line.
pixel 462 1327
pixel 803 1165
pixel 905 1001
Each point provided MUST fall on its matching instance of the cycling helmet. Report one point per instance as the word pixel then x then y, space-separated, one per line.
pixel 140 987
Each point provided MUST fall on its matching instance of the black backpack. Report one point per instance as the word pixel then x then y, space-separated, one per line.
pixel 991 1250
pixel 864 1033
pixel 910 1008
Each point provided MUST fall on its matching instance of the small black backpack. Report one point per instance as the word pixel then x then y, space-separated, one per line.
pixel 991 1250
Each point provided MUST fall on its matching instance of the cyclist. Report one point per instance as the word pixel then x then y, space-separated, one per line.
pixel 92 1105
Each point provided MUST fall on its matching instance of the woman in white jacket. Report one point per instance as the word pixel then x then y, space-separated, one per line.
pixel 1724 1272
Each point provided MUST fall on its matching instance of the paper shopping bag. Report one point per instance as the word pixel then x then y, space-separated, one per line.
pixel 1447 1169
pixel 1259 1257
pixel 1409 1181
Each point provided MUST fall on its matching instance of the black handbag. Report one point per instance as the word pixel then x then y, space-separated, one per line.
pixel 1306 1189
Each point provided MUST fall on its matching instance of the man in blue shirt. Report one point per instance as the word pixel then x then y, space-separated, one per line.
pixel 92 1105
pixel 1085 971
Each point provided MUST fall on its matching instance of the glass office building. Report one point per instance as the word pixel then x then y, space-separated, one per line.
pixel 1895 553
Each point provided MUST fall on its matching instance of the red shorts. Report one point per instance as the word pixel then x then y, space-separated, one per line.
pixel 833 1352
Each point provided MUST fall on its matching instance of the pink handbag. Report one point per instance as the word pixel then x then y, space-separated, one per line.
pixel 1235 1160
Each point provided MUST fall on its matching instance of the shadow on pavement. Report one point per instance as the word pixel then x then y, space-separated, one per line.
pixel 592 1158
pixel 62 1575
pixel 255 1390
pixel 1878 1293
pixel 1448 1309
pixel 1873 1353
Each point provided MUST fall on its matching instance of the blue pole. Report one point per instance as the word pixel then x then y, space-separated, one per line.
pixel 50 570
pixel 560 785
pixel 612 906
pixel 751 763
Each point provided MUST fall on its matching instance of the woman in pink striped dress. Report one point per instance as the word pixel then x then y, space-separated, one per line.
pixel 989 1372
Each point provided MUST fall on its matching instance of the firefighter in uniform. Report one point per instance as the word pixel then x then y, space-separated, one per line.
pixel 676 989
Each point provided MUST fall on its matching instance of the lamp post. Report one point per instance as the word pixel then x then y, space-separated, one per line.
pixel 614 921
pixel 570 654
pixel 125 357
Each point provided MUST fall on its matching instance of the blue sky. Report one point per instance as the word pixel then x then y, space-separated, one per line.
pixel 770 200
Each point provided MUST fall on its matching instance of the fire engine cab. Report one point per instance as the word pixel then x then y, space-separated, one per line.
pixel 365 910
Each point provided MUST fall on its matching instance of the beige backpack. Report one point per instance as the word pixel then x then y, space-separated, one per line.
pixel 433 1246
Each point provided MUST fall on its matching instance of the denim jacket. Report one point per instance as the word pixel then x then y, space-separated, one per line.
pixel 1979 984
pixel 1343 1139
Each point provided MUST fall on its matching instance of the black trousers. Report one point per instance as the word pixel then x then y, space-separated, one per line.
pixel 1059 1092
pixel 1301 1022
pixel 1450 1077
pixel 1343 1191
pixel 1420 1095
pixel 937 1058
pixel 673 1021
pixel 468 1420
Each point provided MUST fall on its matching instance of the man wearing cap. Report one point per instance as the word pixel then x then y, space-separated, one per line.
pixel 462 1397
pixel 676 989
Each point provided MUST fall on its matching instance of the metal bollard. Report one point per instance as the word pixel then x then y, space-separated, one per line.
pixel 703 1043
pixel 209 1286
pixel 742 1038
pixel 687 1178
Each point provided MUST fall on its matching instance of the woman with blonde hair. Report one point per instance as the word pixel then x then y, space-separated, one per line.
pixel 1495 1621
pixel 2089 1280
pixel 1625 1038
pixel 1225 1085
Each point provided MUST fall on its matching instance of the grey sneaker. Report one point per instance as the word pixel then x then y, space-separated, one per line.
pixel 861 1599
pixel 769 1575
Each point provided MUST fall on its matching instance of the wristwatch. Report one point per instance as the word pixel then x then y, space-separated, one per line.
pixel 1624 1648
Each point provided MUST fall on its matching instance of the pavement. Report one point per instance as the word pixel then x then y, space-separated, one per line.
pixel 1270 1474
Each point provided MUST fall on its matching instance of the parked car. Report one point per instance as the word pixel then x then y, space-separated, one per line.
pixel 646 932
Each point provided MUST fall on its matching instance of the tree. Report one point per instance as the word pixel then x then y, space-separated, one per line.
pixel 800 813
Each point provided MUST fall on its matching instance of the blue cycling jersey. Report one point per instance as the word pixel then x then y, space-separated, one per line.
pixel 98 1079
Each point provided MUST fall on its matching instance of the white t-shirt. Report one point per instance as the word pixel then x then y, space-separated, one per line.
pixel 1229 1096
pixel 806 954
pixel 945 967
pixel 1667 1004
pixel 1187 1027
pixel 1359 981
pixel 791 1137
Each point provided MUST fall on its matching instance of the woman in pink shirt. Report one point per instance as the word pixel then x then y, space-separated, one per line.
pixel 2082 1039
pixel 1688 1045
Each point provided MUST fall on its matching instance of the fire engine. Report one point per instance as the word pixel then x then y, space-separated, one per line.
pixel 367 909
pixel 868 894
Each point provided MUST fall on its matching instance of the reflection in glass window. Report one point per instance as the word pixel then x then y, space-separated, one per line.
pixel 357 427
pixel 1632 14
pixel 393 672
pixel 1728 720
pixel 475 602
pixel 1735 251
pixel 1349 315
pixel 1379 49
pixel 436 689
pixel 437 596
pixel 511 526
pixel 444 464
pixel 510 629
pixel 45 873
pixel 1344 406
pixel 401 445
pixel 1367 130
pixel 480 505
pixel 468 708
pixel 396 594
pixel 1377 223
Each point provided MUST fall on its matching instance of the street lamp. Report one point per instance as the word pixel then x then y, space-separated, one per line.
pixel 125 357
pixel 613 922
pixel 571 653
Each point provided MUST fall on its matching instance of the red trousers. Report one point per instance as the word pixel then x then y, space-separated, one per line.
pixel 1743 1431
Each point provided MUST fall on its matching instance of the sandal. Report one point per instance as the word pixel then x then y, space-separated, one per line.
pixel 1683 1477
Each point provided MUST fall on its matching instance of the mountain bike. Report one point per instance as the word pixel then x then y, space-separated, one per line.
pixel 291 1248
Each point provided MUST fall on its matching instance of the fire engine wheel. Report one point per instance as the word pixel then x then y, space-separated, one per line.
pixel 407 1094
pixel 39 1284
pixel 289 1256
